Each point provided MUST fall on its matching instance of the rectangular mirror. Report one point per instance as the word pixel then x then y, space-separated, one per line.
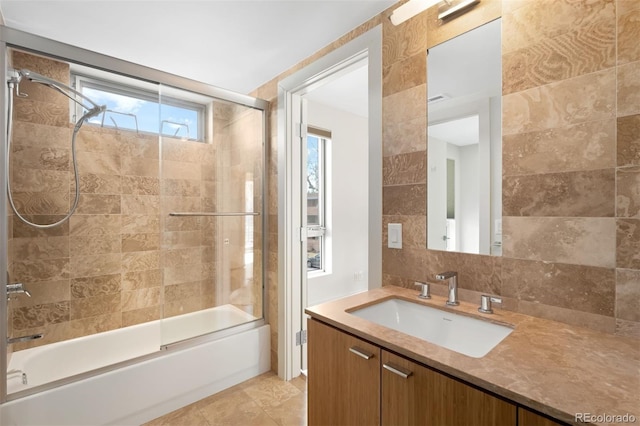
pixel 464 176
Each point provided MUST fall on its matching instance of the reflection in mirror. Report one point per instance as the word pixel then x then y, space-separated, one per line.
pixel 464 206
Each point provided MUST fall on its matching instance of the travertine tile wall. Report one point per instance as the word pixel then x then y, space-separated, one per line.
pixel 571 157
pixel 105 267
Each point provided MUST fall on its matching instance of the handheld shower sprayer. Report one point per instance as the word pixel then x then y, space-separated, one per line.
pixel 92 110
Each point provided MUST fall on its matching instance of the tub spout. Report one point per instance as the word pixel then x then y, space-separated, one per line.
pixel 24 338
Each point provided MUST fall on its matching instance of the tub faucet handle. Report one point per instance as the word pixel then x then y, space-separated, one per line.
pixel 424 290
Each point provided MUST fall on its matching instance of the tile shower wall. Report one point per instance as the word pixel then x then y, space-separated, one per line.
pixel 104 268
pixel 571 72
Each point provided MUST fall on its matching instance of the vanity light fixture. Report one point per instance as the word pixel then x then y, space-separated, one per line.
pixel 410 9
pixel 450 10
pixel 413 7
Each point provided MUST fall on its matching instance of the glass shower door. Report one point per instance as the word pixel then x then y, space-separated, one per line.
pixel 212 203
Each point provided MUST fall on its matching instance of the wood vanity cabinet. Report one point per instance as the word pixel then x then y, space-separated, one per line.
pixel 529 418
pixel 344 388
pixel 416 395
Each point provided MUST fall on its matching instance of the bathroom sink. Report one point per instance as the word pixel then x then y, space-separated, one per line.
pixel 466 335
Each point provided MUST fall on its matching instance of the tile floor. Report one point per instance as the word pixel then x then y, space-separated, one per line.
pixel 264 400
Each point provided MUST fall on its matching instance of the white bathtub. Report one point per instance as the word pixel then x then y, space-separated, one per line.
pixel 141 391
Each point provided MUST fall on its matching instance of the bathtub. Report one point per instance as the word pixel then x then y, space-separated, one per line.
pixel 168 379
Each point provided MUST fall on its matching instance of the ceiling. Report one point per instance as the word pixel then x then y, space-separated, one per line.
pixel 236 44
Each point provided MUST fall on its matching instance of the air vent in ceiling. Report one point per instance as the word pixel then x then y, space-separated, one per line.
pixel 437 98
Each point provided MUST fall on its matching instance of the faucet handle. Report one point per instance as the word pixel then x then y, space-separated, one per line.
pixel 424 293
pixel 485 303
pixel 15 288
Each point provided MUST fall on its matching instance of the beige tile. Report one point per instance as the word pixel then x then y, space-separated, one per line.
pixel 627 328
pixel 140 166
pixel 405 74
pixel 405 106
pixel 40 135
pixel 140 223
pixel 181 187
pixel 581 50
pixel 584 146
pixel 628 243
pixel 236 409
pixel 628 294
pixel 81 245
pixel 405 168
pixel 181 291
pixel 140 242
pixel 527 22
pixel 182 257
pixel 628 31
pixel 40 248
pixel 39 180
pixel 629 140
pixel 98 163
pixel 95 265
pixel 189 415
pixel 99 139
pixel 141 279
pixel 408 263
pixel 142 298
pixel 577 287
pixel 140 204
pixel 48 113
pixel 586 98
pixel 140 185
pixel 98 183
pixel 19 229
pixel 40 315
pixel 141 147
pixel 602 323
pixel 182 239
pixel 628 192
pixel 98 204
pixel 581 194
pixel 41 270
pixel 582 241
pixel 100 285
pixel 271 391
pixel 43 158
pixel 94 306
pixel 182 274
pixel 182 204
pixel 183 151
pixel 182 306
pixel 42 203
pixel 629 89
pixel 404 200
pixel 180 170
pixel 94 224
pixel 140 261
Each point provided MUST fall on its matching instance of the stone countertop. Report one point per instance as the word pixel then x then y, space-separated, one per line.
pixel 551 367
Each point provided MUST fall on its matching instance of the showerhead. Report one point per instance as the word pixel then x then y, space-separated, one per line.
pixel 92 108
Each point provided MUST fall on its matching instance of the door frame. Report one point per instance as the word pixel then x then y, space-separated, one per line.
pixel 289 196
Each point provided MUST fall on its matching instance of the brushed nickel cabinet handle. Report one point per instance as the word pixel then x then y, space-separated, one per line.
pixel 397 370
pixel 361 352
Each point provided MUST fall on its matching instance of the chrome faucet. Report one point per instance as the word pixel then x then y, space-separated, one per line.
pixel 452 277
pixel 17 288
pixel 18 373
pixel 24 338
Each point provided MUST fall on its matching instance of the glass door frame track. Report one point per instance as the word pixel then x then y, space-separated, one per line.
pixel 12 38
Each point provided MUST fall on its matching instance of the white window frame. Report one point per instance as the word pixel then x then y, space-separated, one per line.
pixel 320 229
pixel 81 81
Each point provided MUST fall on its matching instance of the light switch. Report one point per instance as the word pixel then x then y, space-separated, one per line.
pixel 394 235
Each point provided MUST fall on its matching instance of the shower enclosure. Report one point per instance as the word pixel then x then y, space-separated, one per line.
pixel 166 242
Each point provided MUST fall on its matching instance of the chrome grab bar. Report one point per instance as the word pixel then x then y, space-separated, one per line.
pixel 24 338
pixel 214 214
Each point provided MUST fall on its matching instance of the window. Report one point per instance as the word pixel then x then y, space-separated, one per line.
pixel 139 110
pixel 316 184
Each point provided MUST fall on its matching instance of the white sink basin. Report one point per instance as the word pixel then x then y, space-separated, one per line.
pixel 460 333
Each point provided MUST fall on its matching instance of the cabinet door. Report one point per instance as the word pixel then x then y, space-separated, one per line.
pixel 343 385
pixel 529 418
pixel 426 397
